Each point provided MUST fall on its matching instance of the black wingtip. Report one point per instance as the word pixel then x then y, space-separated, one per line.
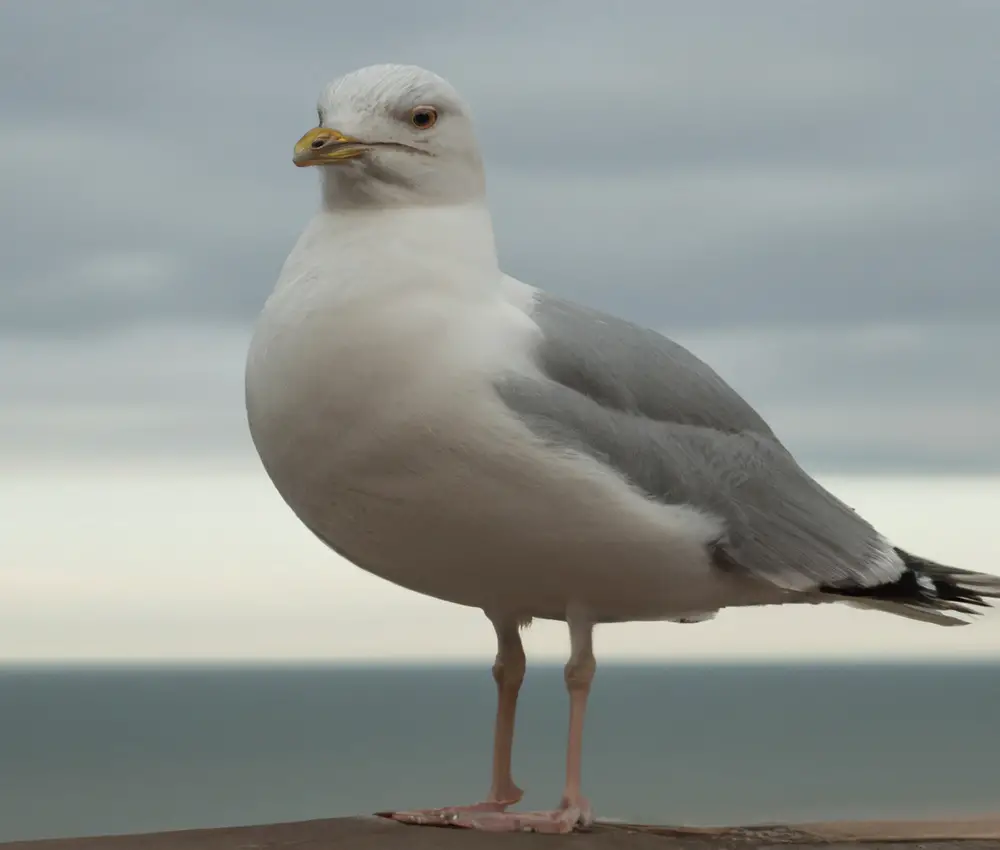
pixel 931 587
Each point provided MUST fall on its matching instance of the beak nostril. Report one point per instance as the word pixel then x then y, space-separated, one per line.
pixel 316 144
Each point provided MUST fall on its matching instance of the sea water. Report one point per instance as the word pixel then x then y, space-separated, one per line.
pixel 113 750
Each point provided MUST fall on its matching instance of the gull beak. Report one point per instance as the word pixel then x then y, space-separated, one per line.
pixel 321 146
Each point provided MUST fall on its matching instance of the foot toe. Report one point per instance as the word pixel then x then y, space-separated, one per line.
pixel 492 816
pixel 448 815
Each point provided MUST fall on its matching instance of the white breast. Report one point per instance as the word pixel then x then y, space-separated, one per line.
pixel 367 366
pixel 370 401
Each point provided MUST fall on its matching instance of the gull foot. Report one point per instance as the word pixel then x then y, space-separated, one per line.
pixel 494 817
pixel 448 815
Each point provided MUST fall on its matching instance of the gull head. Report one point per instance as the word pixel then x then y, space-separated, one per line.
pixel 393 135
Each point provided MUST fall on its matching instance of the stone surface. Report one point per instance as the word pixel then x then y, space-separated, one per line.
pixel 374 833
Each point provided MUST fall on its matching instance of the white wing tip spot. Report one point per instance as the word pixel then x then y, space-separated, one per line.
pixel 883 564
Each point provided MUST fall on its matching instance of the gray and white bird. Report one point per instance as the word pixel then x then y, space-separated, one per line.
pixel 472 438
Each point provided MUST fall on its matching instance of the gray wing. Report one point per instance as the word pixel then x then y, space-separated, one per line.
pixel 666 421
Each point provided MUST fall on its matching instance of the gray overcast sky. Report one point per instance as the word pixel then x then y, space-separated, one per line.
pixel 806 193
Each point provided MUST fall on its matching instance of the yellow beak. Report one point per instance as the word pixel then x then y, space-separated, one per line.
pixel 321 145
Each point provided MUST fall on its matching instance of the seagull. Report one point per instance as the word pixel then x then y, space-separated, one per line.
pixel 472 438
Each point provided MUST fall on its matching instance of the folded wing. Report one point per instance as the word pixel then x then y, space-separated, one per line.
pixel 665 421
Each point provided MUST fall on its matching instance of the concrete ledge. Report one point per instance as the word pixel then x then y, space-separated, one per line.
pixel 375 833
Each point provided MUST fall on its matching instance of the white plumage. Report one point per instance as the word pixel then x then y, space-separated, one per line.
pixel 464 435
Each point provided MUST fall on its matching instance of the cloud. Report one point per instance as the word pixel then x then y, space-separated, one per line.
pixel 199 563
pixel 145 391
pixel 787 179
pixel 889 398
pixel 805 194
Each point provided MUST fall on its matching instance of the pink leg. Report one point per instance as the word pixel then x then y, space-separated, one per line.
pixel 574 809
pixel 579 674
pixel 508 673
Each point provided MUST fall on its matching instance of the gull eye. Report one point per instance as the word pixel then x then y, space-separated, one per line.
pixel 423 117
